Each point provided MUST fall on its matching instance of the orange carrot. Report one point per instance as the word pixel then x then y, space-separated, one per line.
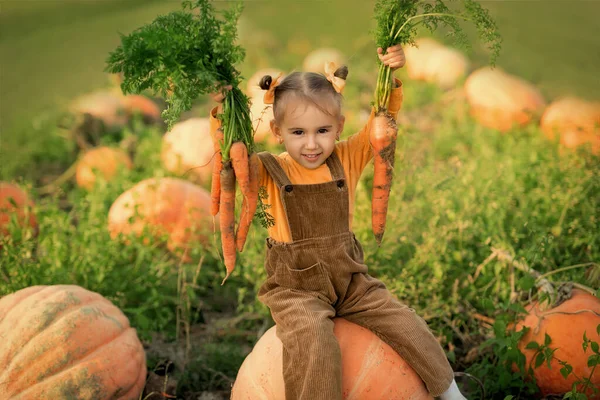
pixel 249 204
pixel 384 132
pixel 215 187
pixel 227 217
pixel 239 161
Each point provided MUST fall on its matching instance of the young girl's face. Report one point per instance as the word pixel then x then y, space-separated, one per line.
pixel 308 133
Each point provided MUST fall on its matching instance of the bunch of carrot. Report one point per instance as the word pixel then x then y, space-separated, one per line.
pixel 235 161
pixel 396 23
pixel 181 56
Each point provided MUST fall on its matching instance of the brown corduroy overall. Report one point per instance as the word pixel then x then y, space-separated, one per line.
pixel 321 274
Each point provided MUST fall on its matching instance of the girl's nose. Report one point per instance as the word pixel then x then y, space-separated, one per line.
pixel 311 142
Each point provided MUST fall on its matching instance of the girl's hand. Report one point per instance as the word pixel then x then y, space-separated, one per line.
pixel 220 96
pixel 394 57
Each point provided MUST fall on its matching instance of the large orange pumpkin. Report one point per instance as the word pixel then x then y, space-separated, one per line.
pixel 187 150
pixel 14 202
pixel 433 62
pixel 575 120
pixel 565 324
pixel 500 101
pixel 316 59
pixel 65 342
pixel 371 369
pixel 105 161
pixel 168 206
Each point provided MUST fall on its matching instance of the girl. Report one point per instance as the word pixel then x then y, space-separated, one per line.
pixel 314 262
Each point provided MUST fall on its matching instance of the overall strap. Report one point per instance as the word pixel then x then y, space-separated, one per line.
pixel 275 170
pixel 335 167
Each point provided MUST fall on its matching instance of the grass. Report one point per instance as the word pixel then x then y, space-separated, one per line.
pixel 460 190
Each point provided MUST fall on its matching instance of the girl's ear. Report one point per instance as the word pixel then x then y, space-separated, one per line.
pixel 276 130
pixel 341 126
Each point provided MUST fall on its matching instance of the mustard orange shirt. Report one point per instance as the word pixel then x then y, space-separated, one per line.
pixel 354 153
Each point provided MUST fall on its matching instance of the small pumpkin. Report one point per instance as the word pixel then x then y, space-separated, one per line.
pixel 170 206
pixel 103 106
pixel 316 59
pixel 100 161
pixel 433 62
pixel 565 324
pixel 575 120
pixel 371 369
pixel 142 105
pixel 500 101
pixel 187 150
pixel 14 202
pixel 66 342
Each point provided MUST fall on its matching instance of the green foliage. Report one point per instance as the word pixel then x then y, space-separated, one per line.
pixel 398 21
pixel 183 55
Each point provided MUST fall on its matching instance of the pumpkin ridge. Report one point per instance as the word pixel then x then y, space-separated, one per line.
pixel 87 357
pixel 30 293
pixel 366 368
pixel 14 356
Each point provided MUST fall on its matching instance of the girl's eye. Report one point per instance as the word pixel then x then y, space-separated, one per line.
pixel 323 130
pixel 297 132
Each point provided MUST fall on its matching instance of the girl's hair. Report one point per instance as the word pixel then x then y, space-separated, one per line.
pixel 307 86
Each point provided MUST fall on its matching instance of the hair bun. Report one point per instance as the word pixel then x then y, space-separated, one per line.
pixel 265 82
pixel 341 72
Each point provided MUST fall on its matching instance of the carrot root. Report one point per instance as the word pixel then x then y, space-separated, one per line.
pixel 227 217
pixel 384 132
pixel 249 203
pixel 215 186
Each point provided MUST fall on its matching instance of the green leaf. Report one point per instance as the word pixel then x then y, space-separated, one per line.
pixel 594 347
pixel 526 282
pixel 509 397
pixel 598 329
pixel 566 370
pixel 593 360
pixel 533 345
pixel 547 339
pixel 539 360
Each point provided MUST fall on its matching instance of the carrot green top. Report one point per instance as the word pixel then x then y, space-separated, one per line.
pixel 354 153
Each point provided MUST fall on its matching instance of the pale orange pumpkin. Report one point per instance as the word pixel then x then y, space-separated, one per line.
pixel 142 105
pixel 575 120
pixel 252 88
pixel 15 203
pixel 433 62
pixel 371 370
pixel 500 101
pixel 565 324
pixel 187 150
pixel 170 206
pixel 65 342
pixel 100 161
pixel 261 115
pixel 316 59
pixel 103 106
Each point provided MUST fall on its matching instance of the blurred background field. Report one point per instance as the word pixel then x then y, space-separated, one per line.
pixel 53 51
pixel 462 190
